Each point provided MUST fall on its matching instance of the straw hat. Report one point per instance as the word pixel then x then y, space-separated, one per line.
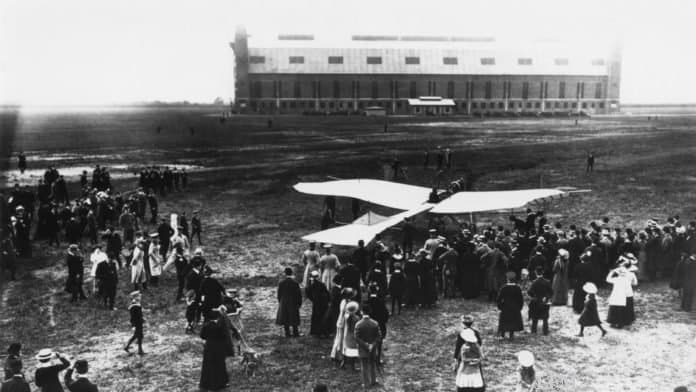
pixel 590 288
pixel 327 246
pixel 352 307
pixel 315 274
pixel 198 252
pixel 397 256
pixel 526 358
pixel 563 253
pixel 44 355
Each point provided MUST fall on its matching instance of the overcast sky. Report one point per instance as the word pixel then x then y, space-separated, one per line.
pixel 99 52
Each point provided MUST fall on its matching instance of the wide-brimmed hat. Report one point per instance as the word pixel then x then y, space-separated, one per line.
pixel 432 231
pixel 327 246
pixel 198 251
pixel 352 307
pixel 563 253
pixel 135 294
pixel 590 288
pixel 526 358
pixel 397 256
pixel 44 355
pixel 468 336
pixel 467 319
pixel 73 247
pixel 314 274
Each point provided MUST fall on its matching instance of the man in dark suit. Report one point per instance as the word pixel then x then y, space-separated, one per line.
pixel 136 320
pixel 16 383
pixel 540 292
pixel 368 336
pixel 76 272
pixel 289 303
pixel 193 282
pixel 350 275
pixel 81 384
pixel 165 232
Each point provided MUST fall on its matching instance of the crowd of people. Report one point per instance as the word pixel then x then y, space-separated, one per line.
pixel 532 263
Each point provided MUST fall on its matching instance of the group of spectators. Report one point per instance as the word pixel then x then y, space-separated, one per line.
pixel 163 180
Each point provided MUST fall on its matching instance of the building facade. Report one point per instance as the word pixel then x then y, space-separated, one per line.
pixel 298 73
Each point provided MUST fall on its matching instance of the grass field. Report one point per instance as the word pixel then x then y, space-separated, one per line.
pixel 253 222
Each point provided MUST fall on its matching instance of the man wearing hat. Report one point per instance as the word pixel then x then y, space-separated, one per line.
pixel 317 292
pixel 136 320
pixel 183 225
pixel 350 276
pixel 196 227
pixel 46 375
pixel 165 232
pixel 76 272
pixel 14 379
pixel 107 276
pixel 193 282
pixel 368 337
pixel 310 259
pixel 289 303
pixel 329 265
pixel 359 258
pixel 540 292
pixel 81 384
pixel 510 302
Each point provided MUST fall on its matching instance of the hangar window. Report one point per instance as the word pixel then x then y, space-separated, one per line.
pixel 575 105
pixel 257 59
pixel 557 105
pixel 529 105
pixel 501 105
pixel 489 90
pixel 487 60
pixel 450 61
pixel 598 91
pixel 335 59
pixel 561 90
pixel 296 59
pixel 601 105
pixel 483 105
pixel 598 62
pixel 374 60
pixel 537 105
pixel 413 60
pixel 561 61
pixel 584 105
pixel 474 105
pixel 395 89
pixel 356 89
pixel 524 61
pixel 292 104
pixel 565 105
pixel 432 88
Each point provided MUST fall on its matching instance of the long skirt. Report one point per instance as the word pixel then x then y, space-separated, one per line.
pixel 622 315
pixel 214 370
pixel 578 299
pixel 470 378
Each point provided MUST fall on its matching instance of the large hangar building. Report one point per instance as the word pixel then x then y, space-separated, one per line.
pixel 421 75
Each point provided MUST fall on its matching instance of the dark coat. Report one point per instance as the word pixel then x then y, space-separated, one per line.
pixel 75 272
pixel 378 309
pixel 541 292
pixel 429 289
pixel 289 302
pixel 80 384
pixel 193 282
pixel 367 333
pixel 15 384
pixel 469 275
pixel 510 302
pixel 107 276
pixel 378 275
pixel 590 315
pixel 334 308
pixel 214 370
pixel 211 293
pixel 350 277
pixel 397 283
pixel 319 295
pixel 47 378
pixel 413 286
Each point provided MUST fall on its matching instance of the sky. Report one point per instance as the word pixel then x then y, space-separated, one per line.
pixel 77 52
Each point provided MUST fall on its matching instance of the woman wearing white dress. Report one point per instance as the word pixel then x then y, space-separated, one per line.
pixel 337 348
pixel 621 298
pixel 329 265
pixel 350 344
pixel 138 275
pixel 469 374
pixel 156 260
pixel 310 259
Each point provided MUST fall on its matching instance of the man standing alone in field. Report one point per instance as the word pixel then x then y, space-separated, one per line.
pixel 196 227
pixel 289 303
pixel 590 162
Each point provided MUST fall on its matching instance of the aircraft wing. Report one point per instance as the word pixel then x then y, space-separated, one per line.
pixel 350 234
pixel 464 202
pixel 385 193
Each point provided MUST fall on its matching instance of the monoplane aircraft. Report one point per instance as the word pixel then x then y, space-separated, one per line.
pixel 414 200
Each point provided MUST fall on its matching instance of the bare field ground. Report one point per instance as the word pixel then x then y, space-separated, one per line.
pixel 253 222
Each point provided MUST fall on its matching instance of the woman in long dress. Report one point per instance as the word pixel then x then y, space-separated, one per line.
pixel 560 283
pixel 582 275
pixel 155 262
pixel 590 316
pixel 310 259
pixel 469 375
pixel 138 275
pixel 329 265
pixel 214 370
pixel 510 302
pixel 350 344
pixel 413 284
pixel 337 348
pixel 621 297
